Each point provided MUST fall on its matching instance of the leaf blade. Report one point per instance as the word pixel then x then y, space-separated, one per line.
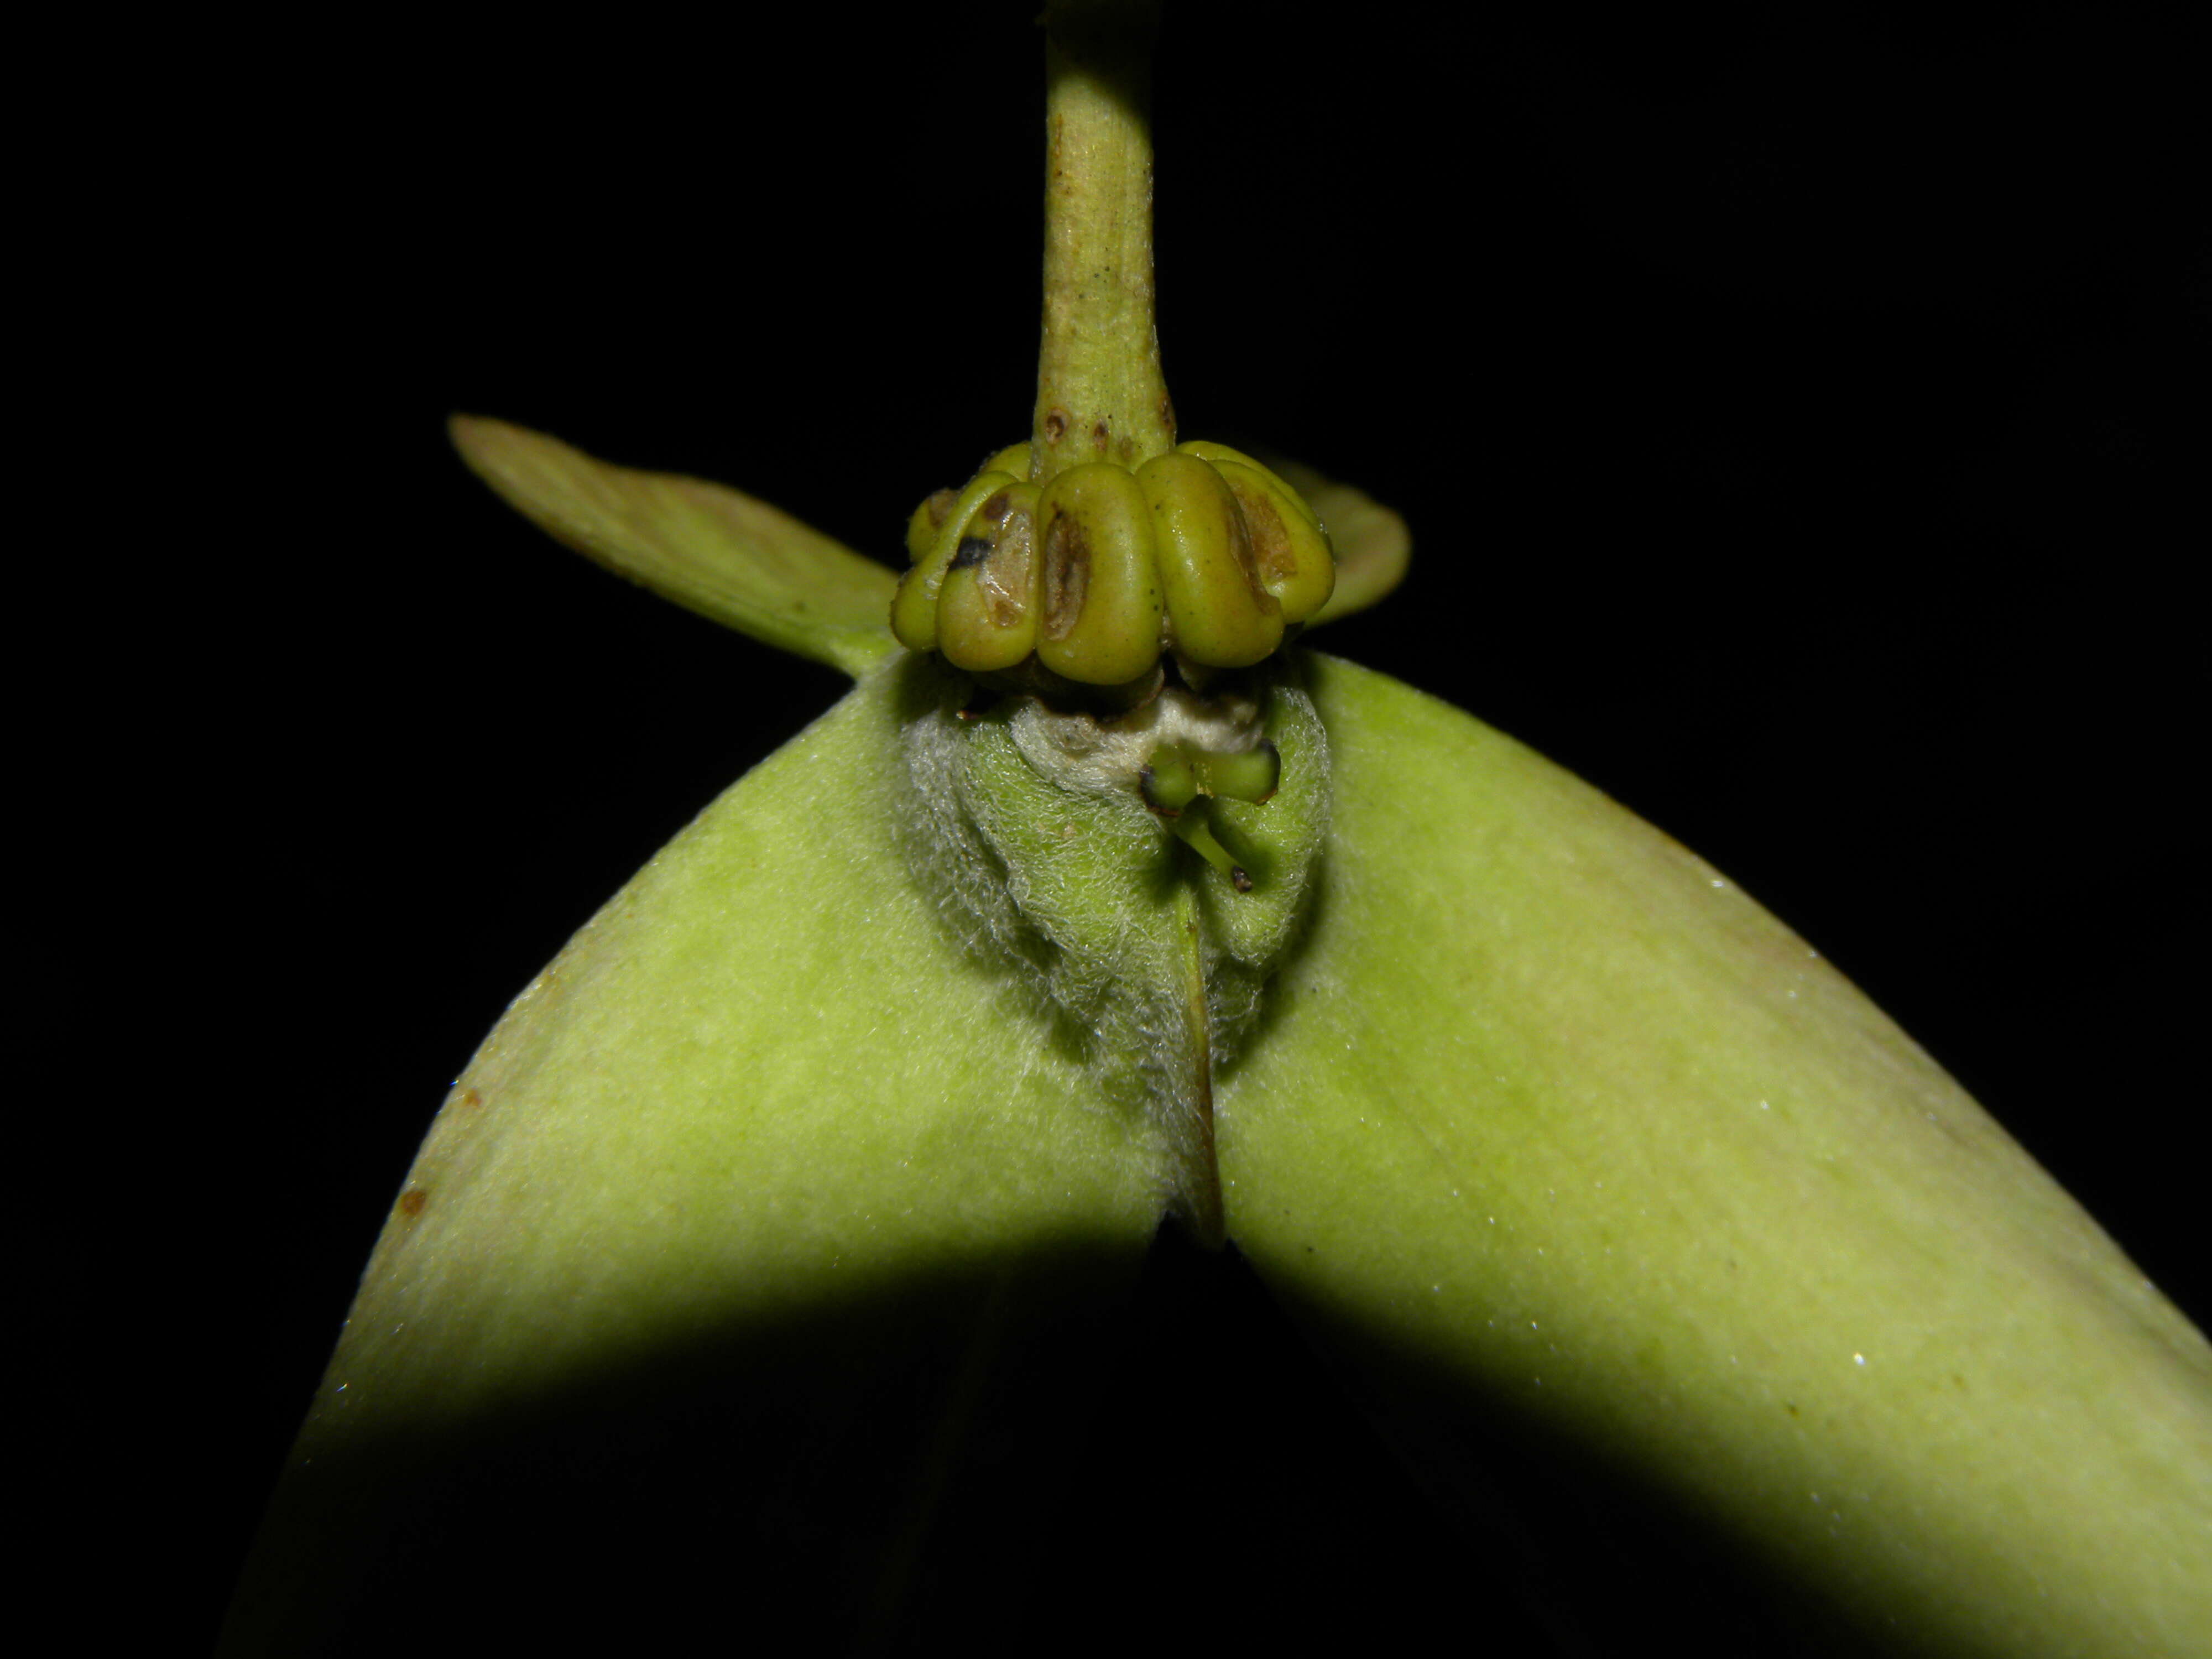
pixel 763 1116
pixel 1373 545
pixel 1624 1160
pixel 710 549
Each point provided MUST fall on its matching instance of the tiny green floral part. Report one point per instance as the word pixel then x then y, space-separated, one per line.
pixel 1099 572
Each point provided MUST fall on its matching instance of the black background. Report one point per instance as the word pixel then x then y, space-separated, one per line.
pixel 1794 416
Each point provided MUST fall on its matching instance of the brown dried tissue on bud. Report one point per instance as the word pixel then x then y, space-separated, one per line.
pixel 1240 549
pixel 1003 580
pixel 1066 576
pixel 1271 539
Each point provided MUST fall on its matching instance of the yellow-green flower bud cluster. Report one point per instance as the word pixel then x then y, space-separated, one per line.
pixel 1096 573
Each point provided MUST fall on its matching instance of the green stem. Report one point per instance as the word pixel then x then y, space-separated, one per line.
pixel 1202 1180
pixel 1100 393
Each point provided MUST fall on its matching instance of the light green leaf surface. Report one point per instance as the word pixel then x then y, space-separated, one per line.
pixel 1556 1120
pixel 1546 1124
pixel 1373 546
pixel 712 549
pixel 715 1102
pixel 764 1109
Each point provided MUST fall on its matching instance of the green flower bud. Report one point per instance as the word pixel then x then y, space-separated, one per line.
pixel 1169 782
pixel 1202 551
pixel 1250 774
pixel 1101 579
pixel 1014 459
pixel 1296 563
pixel 913 607
pixel 925 521
pixel 987 606
pixel 1217 612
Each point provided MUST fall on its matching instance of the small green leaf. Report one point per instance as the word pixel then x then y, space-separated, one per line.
pixel 737 560
pixel 1554 1121
pixel 1373 546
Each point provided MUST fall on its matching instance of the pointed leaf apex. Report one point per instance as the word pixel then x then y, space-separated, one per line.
pixel 731 558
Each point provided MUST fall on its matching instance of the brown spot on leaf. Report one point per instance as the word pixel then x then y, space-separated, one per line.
pixel 940 503
pixel 995 508
pixel 469 1097
pixel 1098 436
pixel 412 1200
pixel 1066 576
pixel 1055 425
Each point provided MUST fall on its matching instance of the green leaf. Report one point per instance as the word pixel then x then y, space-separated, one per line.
pixel 764 1123
pixel 1555 1120
pixel 1544 1123
pixel 737 560
pixel 1373 546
